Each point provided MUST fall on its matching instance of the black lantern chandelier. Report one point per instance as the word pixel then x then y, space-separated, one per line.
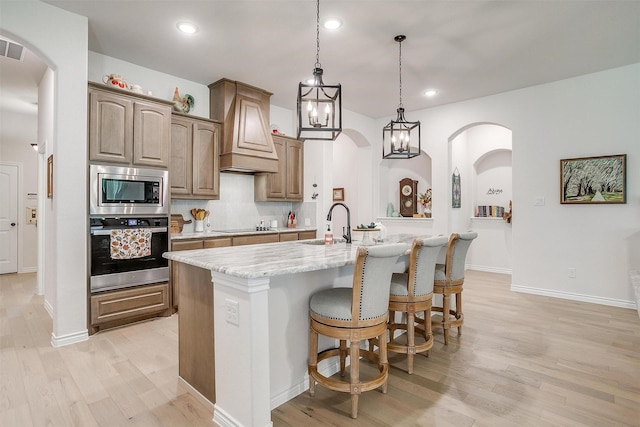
pixel 319 105
pixel 398 135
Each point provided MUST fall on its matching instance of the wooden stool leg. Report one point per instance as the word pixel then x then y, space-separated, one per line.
pixel 354 359
pixel 411 340
pixel 445 318
pixel 459 310
pixel 313 359
pixel 428 331
pixel 382 358
pixel 343 356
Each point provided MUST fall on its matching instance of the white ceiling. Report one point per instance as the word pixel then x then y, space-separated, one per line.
pixel 465 49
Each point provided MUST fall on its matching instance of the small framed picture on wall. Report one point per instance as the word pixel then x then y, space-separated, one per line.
pixel 338 194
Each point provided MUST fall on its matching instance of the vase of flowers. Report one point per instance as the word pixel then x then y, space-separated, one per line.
pixel 424 201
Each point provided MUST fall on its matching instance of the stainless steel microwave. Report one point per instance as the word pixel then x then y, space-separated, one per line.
pixel 118 190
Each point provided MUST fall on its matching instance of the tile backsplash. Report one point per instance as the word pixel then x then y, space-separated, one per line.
pixel 237 209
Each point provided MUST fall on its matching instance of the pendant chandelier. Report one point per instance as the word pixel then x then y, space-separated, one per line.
pixel 319 104
pixel 399 134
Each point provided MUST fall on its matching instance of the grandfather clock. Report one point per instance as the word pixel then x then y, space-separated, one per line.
pixel 408 197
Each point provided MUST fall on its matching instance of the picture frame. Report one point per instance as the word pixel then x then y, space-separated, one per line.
pixel 338 194
pixel 50 177
pixel 594 180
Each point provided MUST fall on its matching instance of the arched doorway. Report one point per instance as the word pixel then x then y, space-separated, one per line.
pixel 480 154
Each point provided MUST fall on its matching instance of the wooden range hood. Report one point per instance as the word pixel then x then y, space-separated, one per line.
pixel 247 145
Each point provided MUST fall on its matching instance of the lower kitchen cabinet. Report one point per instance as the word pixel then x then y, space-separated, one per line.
pixel 115 308
pixel 306 235
pixel 255 239
pixel 187 245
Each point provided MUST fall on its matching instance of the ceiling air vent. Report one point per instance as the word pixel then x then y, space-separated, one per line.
pixel 11 50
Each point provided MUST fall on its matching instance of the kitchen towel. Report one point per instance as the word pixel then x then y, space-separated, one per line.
pixel 130 243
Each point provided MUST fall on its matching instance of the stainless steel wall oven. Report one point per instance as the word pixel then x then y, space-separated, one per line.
pixel 127 251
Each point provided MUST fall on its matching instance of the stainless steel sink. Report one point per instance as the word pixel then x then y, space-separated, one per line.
pixel 319 241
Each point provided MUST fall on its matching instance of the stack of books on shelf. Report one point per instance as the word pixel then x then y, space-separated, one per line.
pixel 489 211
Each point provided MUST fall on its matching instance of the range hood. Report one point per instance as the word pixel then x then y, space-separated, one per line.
pixel 247 145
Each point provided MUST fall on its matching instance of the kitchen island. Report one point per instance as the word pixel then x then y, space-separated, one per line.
pixel 243 326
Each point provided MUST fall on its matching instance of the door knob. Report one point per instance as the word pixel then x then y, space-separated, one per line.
pixel 13 224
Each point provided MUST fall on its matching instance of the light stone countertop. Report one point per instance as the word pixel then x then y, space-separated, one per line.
pixel 273 259
pixel 207 234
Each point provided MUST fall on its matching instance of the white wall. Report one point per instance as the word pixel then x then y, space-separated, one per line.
pixel 590 115
pixel 161 85
pixel 33 24
pixel 17 132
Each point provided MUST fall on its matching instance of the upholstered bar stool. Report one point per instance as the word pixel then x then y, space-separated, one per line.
pixel 411 293
pixel 354 314
pixel 448 280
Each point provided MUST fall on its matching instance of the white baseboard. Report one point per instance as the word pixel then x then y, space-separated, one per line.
pixel 574 297
pixel 327 370
pixel 195 393
pixel 28 270
pixel 488 269
pixel 69 338
pixel 49 308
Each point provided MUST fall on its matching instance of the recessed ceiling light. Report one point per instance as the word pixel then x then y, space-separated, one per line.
pixel 187 27
pixel 332 23
pixel 430 93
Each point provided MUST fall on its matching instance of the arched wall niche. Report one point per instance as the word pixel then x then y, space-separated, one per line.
pixel 481 154
pixel 418 168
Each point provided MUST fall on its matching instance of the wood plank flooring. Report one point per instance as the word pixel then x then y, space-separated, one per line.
pixel 522 360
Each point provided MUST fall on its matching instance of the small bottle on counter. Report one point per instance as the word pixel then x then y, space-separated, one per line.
pixel 328 236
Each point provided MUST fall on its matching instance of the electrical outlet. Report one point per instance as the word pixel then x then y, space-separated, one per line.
pixel 538 201
pixel 233 315
pixel 572 273
pixel 307 221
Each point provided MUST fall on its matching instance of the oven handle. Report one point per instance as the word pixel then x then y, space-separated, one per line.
pixel 104 232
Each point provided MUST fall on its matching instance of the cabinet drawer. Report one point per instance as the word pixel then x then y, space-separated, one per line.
pixel 217 243
pixel 305 235
pixel 132 303
pixel 186 245
pixel 254 240
pixel 288 237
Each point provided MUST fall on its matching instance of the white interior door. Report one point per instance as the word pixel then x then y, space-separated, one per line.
pixel 8 218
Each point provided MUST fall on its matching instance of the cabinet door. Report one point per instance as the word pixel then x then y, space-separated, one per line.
pixel 294 171
pixel 305 235
pixel 220 242
pixel 277 181
pixel 288 237
pixel 151 134
pixel 181 156
pixel 110 128
pixel 186 245
pixel 206 169
pixel 255 239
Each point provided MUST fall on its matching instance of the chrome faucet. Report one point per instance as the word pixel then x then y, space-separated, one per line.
pixel 347 235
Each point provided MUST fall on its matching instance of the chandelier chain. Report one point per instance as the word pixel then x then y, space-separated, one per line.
pixel 400 71
pixel 318 65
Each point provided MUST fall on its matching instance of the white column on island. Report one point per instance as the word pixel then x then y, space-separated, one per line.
pixel 241 352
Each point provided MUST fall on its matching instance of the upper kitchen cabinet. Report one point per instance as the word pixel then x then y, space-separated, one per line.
pixel 247 145
pixel 128 129
pixel 194 168
pixel 288 182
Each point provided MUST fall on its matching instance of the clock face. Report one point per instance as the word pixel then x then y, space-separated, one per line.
pixel 408 203
pixel 407 190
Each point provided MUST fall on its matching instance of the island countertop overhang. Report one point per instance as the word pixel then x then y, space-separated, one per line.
pixel 274 259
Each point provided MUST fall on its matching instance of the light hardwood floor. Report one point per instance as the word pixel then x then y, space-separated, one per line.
pixel 523 360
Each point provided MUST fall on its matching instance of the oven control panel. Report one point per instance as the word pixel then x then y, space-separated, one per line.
pixel 117 222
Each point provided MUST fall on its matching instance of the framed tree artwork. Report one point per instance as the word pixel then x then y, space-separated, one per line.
pixel 594 180
pixel 338 194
